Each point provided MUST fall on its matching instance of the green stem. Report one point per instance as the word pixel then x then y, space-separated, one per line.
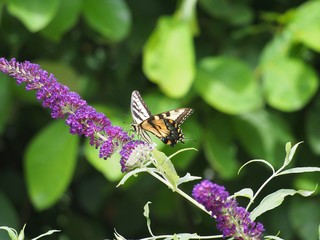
pixel 186 9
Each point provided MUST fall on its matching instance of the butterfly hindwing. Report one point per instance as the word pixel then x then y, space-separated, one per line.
pixel 166 125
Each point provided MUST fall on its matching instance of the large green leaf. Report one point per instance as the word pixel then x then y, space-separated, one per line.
pixel 263 135
pixel 110 168
pixel 169 59
pixel 228 84
pixel 111 18
pixel 305 24
pixel 219 147
pixel 66 17
pixel 49 164
pixel 289 84
pixel 278 47
pixel 35 14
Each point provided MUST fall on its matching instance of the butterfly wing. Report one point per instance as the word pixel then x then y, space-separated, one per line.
pixel 140 113
pixel 139 109
pixel 166 125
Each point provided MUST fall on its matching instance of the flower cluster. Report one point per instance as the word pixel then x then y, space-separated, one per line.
pixel 81 118
pixel 232 220
pixel 134 154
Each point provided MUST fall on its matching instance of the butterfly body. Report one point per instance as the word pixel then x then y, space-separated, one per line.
pixel 166 125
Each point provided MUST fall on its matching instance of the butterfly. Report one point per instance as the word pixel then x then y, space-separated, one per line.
pixel 166 125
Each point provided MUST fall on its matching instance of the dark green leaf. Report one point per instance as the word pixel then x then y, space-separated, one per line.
pixel 219 148
pixel 289 84
pixel 49 164
pixel 35 14
pixel 66 17
pixel 227 84
pixel 111 18
pixel 169 57
pixel 234 12
pixel 263 135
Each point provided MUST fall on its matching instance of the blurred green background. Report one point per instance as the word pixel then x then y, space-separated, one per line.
pixel 250 69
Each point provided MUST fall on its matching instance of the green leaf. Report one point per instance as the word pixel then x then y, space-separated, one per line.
pixel 228 85
pixel 165 165
pixel 11 232
pixel 263 134
pixel 305 24
pixel 274 200
pixel 110 168
pixel 168 57
pixel 8 215
pixel 237 13
pixel 66 17
pixel 246 192
pixel 146 214
pixel 278 48
pixel 49 164
pixel 289 84
pixel 312 126
pixel 21 233
pixel 111 18
pixel 290 152
pixel 219 148
pixel 187 178
pixel 35 14
pixel 300 170
pixel 272 237
pixel 5 100
pixel 50 232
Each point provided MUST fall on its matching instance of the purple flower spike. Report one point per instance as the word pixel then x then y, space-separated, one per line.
pixel 82 118
pixel 232 221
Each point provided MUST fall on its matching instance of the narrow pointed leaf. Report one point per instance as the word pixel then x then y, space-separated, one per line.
pixel 300 170
pixel 275 199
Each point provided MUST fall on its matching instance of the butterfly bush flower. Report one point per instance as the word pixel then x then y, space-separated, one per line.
pixel 81 118
pixel 232 220
pixel 134 154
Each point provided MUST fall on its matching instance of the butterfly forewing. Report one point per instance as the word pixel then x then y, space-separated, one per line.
pixel 139 109
pixel 166 125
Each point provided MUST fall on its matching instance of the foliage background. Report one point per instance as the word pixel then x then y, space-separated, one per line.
pixel 250 69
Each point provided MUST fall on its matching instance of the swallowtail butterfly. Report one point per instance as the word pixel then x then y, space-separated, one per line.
pixel 166 125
